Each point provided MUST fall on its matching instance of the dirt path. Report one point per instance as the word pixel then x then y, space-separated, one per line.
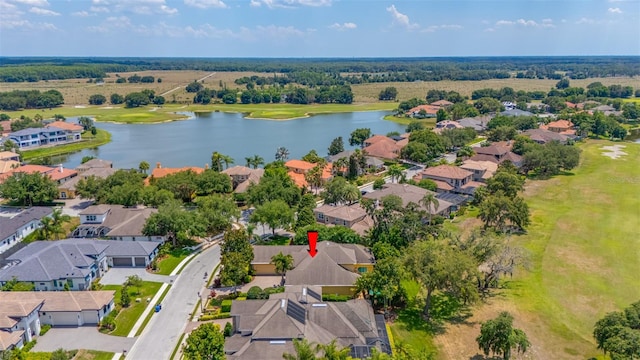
pixel 182 86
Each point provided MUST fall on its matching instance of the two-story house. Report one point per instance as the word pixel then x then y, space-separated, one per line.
pixel 298 168
pixel 58 174
pixel 482 170
pixel 19 322
pixel 114 222
pixel 242 177
pixel 447 177
pixel 498 153
pixel 15 228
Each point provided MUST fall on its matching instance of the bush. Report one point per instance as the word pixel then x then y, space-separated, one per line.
pixel 247 279
pixel 255 293
pixel 108 322
pixel 223 315
pixel 378 184
pixel 28 346
pixel 273 290
pixel 226 306
pixel 228 329
pixel 335 297
pixel 44 328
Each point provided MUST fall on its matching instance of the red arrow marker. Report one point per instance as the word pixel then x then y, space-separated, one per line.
pixel 313 241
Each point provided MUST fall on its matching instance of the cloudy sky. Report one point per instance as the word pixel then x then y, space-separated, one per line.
pixel 318 28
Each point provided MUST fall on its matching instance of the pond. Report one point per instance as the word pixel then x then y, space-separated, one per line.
pixel 191 142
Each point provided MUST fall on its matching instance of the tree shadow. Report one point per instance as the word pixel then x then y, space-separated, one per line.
pixel 444 309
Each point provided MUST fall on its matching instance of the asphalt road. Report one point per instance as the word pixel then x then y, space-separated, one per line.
pixel 163 331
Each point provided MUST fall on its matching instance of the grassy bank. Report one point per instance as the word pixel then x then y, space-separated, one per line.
pixel 428 123
pixel 88 141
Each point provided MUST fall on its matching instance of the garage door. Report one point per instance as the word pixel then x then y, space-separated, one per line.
pixel 140 261
pixel 122 261
pixel 63 318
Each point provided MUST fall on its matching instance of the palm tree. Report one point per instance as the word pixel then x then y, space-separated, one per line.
pixel 257 161
pixel 248 161
pixel 282 154
pixel 143 167
pixel 216 161
pixel 332 352
pixel 395 171
pixel 351 194
pixel 431 203
pixel 465 152
pixel 227 160
pixel 46 228
pixel 340 165
pixel 58 219
pixel 304 351
pixel 282 263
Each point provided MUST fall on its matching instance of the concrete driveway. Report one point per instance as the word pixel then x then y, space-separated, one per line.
pixel 117 276
pixel 73 207
pixel 86 337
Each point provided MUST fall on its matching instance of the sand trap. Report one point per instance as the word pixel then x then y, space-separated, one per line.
pixel 154 109
pixel 80 107
pixel 614 151
pixel 108 107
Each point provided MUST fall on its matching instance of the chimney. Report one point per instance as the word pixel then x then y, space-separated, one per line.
pixel 60 169
pixel 206 166
pixel 158 165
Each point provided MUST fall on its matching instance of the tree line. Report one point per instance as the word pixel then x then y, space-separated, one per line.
pixel 360 70
pixel 30 99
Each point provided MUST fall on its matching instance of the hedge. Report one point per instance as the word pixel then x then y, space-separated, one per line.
pixel 226 306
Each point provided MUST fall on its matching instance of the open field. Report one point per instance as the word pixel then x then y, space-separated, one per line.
pixel 77 91
pixel 585 259
pixel 407 90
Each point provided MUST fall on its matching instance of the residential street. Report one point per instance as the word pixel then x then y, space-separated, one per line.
pixel 163 331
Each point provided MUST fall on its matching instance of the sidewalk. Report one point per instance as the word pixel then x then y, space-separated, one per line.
pixel 156 297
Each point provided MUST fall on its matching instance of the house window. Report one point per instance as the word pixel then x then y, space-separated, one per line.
pixel 92 218
pixel 362 269
pixel 320 216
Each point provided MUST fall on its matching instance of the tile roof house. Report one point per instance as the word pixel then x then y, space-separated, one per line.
pixel 427 110
pixel 564 127
pixel 94 164
pixel 8 165
pixel 442 103
pixel 242 177
pixel 50 265
pixel 5 128
pixel 352 216
pixel 265 329
pixel 115 222
pixel 159 172
pixel 58 174
pixel 447 124
pixel 497 152
pixel 68 189
pixel 335 267
pixel 15 228
pixel 298 168
pixel 71 127
pixel 477 123
pixel 23 312
pixel 542 136
pixel 410 194
pixel 9 155
pixel 451 175
pixel 482 170
pixel 372 162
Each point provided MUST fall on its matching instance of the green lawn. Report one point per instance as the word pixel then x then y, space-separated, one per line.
pixel 171 261
pixel 79 355
pixel 88 141
pixel 127 317
pixel 584 249
pixel 428 123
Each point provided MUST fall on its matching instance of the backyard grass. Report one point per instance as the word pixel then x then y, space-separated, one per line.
pixel 93 355
pixel 167 264
pixel 88 141
pixel 127 317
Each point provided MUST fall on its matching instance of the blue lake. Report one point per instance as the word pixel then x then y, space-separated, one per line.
pixel 191 142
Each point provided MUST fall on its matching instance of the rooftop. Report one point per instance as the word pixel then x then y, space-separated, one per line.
pixel 408 194
pixel 447 172
pixel 9 226
pixel 65 126
pixel 95 163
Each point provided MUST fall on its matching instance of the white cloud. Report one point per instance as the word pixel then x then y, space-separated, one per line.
pixel 204 4
pixel 400 18
pixel 80 14
pixel 545 23
pixel 290 3
pixel 345 26
pixel 98 9
pixel 489 30
pixel 167 10
pixel 434 28
pixel 33 2
pixel 44 12
pixel 26 25
pixel 615 10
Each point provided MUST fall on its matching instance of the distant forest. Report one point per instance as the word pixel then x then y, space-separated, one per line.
pixel 339 71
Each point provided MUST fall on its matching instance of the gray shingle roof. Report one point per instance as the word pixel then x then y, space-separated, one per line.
pixel 8 226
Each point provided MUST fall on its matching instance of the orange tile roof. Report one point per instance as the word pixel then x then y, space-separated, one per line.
pixel 560 124
pixel 66 126
pixel 54 173
pixel 298 179
pixel 429 109
pixel 383 149
pixel 376 139
pixel 299 164
pixel 160 172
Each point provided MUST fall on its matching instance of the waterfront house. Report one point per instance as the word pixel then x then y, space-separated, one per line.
pixel 68 189
pixel 160 172
pixel 58 134
pixel 372 162
pixel 242 177
pixel 94 164
pixel 298 168
pixel 423 111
